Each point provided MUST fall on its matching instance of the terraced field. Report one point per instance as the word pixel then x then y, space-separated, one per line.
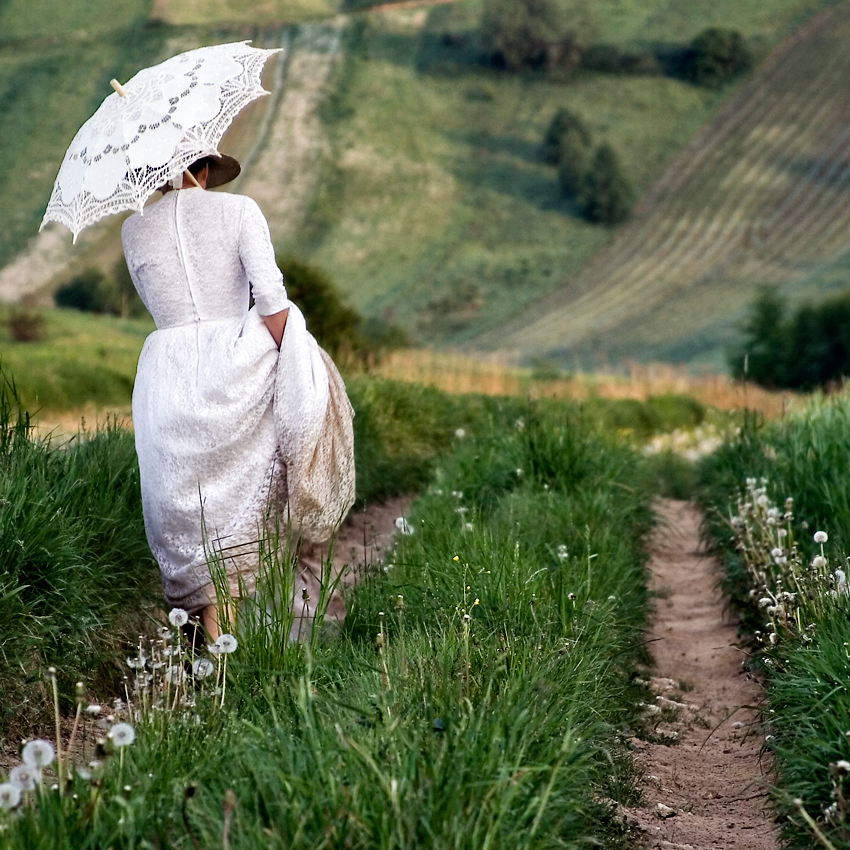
pixel 761 195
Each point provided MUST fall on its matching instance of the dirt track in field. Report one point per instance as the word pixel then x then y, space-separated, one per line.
pixel 707 788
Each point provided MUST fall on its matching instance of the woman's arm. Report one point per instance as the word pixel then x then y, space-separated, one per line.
pixel 276 323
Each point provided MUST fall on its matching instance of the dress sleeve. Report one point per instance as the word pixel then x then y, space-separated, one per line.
pixel 258 260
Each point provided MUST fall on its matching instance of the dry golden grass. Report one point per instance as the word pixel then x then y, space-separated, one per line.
pixel 494 375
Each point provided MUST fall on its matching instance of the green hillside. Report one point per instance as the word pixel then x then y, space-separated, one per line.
pixel 390 153
pixel 760 196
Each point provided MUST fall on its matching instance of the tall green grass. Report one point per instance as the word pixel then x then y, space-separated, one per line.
pixel 475 697
pixel 804 456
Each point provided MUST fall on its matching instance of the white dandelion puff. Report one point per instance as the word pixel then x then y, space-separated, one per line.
pixel 174 674
pixel 776 553
pixel 24 777
pixel 563 554
pixel 178 617
pixel 226 644
pixel 762 500
pixel 460 433
pixel 10 796
pixel 122 734
pixel 137 663
pixel 39 753
pixel 467 527
pixel 818 562
pixel 821 537
pixel 403 526
pixel 94 709
pixel 202 667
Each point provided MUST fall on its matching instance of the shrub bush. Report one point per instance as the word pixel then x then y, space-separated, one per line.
pixel 91 291
pixel 716 56
pixel 520 34
pixel 564 122
pixel 25 325
pixel 337 328
pixel 610 59
pixel 605 194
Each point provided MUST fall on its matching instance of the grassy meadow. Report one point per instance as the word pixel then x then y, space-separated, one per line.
pixel 778 509
pixel 476 697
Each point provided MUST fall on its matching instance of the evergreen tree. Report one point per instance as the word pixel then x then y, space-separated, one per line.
pixel 563 122
pixel 762 356
pixel 605 194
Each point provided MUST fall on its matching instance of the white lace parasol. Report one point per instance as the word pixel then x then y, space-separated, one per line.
pixel 151 129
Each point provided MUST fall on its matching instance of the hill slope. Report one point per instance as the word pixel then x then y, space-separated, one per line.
pixel 760 196
pixel 389 153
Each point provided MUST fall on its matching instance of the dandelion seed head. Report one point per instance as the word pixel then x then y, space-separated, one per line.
pixel 202 667
pixel 24 777
pixel 782 532
pixel 774 512
pixel 94 709
pixel 403 525
pixel 174 674
pixel 460 433
pixel 122 734
pixel 10 796
pixel 468 526
pixel 38 753
pixel 777 552
pixel 762 500
pixel 178 617
pixel 137 663
pixel 819 561
pixel 843 767
pixel 821 537
pixel 226 644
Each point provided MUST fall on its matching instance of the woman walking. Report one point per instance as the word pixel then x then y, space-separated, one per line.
pixel 241 421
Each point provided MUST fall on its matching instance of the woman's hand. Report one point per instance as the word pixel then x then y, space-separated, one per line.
pixel 276 323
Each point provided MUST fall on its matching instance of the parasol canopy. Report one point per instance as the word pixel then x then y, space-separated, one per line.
pixel 152 128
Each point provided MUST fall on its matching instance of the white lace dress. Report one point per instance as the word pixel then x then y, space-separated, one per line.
pixel 214 446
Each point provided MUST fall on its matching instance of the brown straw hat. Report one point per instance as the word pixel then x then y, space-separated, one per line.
pixel 223 169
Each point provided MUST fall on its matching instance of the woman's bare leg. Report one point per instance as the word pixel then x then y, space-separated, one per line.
pixel 210 619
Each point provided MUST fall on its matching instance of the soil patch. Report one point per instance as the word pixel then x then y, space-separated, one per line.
pixel 704 784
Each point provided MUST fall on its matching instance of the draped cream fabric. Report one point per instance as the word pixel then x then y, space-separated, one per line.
pixel 226 427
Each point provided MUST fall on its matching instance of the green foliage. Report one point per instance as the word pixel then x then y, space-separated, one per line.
pixel 803 351
pixel 484 717
pixel 25 325
pixel 337 328
pixel 91 291
pixel 612 59
pixel 76 569
pixel 520 34
pixel 716 56
pixel 804 456
pixel 605 194
pixel 565 123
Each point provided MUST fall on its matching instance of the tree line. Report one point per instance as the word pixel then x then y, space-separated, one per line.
pixel 799 350
pixel 557 36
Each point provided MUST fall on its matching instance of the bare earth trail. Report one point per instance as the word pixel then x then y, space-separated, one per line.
pixel 710 782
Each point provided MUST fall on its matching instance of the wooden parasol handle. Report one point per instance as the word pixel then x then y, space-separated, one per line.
pixel 118 87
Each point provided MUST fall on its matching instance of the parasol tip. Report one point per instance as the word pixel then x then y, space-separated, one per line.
pixel 118 87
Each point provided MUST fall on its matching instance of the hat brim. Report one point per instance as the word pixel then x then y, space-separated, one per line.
pixel 223 169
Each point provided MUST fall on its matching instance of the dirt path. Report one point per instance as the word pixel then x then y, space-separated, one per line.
pixel 706 788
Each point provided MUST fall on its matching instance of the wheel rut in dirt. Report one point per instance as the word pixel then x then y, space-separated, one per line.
pixel 704 776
